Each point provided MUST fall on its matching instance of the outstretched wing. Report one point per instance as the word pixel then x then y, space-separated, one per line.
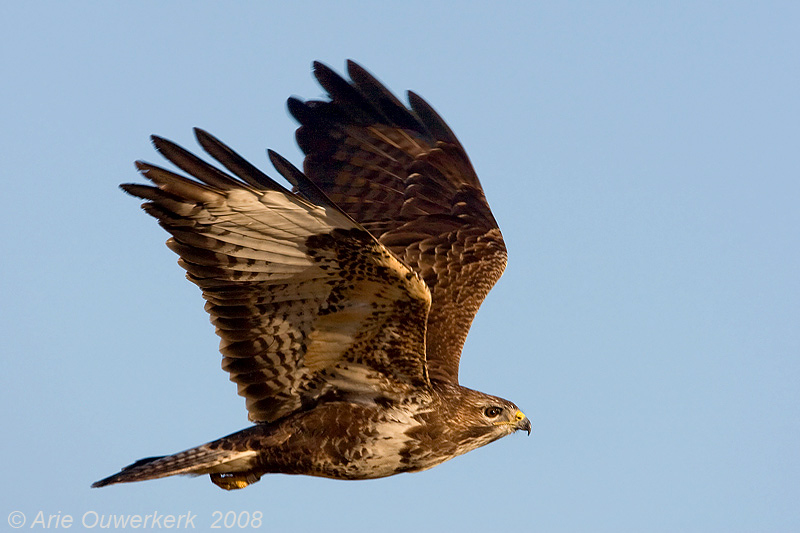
pixel 404 176
pixel 309 306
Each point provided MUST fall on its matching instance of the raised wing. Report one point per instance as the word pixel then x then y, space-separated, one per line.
pixel 309 306
pixel 404 176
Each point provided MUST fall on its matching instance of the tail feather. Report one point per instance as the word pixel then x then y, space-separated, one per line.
pixel 211 458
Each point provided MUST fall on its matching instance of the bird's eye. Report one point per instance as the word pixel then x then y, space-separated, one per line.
pixel 492 412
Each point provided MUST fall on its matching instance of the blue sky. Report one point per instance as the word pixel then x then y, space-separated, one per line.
pixel 641 159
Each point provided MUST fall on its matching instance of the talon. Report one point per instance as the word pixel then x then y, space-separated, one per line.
pixel 234 480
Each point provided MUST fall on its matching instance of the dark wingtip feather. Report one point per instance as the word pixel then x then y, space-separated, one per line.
pixel 136 189
pixel 326 76
pixel 356 72
pixel 392 109
pixel 196 167
pixel 347 95
pixel 298 109
pixel 162 145
pixel 432 119
pixel 202 135
pixel 317 66
pixel 234 162
pixel 298 180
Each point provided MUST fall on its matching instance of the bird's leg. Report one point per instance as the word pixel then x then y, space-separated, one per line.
pixel 234 480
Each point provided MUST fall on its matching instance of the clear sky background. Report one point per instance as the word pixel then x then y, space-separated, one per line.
pixel 642 159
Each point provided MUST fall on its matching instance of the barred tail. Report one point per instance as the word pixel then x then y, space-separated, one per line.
pixel 212 458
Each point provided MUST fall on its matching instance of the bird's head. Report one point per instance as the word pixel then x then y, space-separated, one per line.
pixel 481 418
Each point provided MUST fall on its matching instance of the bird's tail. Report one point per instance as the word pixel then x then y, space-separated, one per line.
pixel 225 459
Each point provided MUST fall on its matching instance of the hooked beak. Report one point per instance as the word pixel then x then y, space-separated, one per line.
pixel 522 422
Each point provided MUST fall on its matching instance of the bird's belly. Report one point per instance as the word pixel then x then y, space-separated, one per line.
pixel 374 447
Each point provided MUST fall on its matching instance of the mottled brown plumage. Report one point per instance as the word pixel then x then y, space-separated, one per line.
pixel 403 175
pixel 342 307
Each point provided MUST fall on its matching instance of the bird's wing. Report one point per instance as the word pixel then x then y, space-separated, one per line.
pixel 402 174
pixel 309 306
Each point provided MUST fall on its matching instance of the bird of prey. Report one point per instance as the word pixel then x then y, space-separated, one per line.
pixel 342 305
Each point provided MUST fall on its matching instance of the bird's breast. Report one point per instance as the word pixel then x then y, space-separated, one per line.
pixel 356 441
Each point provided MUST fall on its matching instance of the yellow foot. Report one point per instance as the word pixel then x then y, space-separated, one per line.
pixel 235 480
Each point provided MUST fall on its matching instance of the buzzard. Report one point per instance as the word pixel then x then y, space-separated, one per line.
pixel 342 305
